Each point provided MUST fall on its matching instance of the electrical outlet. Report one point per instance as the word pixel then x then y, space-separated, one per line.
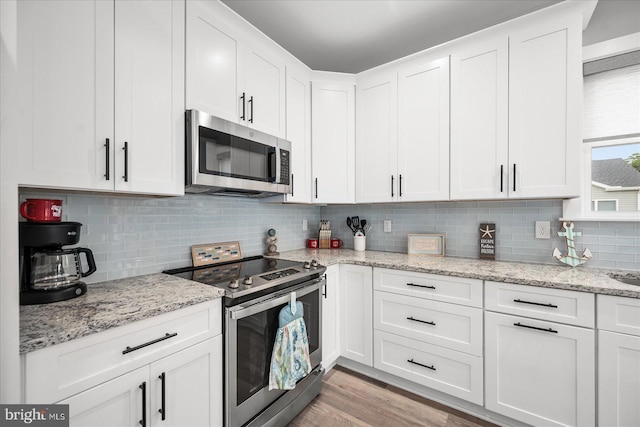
pixel 305 225
pixel 543 230
pixel 387 226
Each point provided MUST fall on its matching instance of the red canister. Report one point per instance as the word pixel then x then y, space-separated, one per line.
pixel 336 243
pixel 312 243
pixel 42 210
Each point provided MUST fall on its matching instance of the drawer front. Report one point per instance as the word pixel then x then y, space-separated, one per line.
pixel 448 325
pixel 619 314
pixel 59 371
pixel 557 305
pixel 449 371
pixel 430 286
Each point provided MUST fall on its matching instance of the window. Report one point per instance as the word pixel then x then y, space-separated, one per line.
pixel 611 138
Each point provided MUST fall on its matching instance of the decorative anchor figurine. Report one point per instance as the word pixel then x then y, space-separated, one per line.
pixel 571 258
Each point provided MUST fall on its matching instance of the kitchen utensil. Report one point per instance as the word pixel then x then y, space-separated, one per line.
pixel 366 228
pixel 42 210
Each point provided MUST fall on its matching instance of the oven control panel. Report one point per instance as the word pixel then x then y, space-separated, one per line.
pixel 279 274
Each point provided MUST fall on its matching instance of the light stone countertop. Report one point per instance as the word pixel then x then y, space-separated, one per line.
pixel 580 279
pixel 108 305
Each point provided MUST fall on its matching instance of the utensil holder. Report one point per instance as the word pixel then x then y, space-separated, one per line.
pixel 359 243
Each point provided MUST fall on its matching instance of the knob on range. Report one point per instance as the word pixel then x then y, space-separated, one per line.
pixel 307 265
pixel 314 263
pixel 234 283
pixel 248 280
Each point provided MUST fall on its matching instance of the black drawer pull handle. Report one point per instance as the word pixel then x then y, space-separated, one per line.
pixel 421 286
pixel 420 364
pixel 534 327
pixel 163 409
pixel 143 421
pixel 535 303
pixel 138 347
pixel 421 321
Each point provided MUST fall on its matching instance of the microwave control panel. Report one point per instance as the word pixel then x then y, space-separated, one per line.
pixel 284 167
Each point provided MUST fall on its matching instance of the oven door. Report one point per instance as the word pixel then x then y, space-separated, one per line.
pixel 250 332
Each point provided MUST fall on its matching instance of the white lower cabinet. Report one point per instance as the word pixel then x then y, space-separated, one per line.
pixel 618 361
pixel 440 368
pixel 175 391
pixel 356 318
pixel 331 317
pixel 539 372
pixel 166 370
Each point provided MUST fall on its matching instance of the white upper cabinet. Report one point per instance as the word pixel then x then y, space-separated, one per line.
pixel 479 120
pixel 149 96
pixel 377 138
pixel 87 89
pixel 423 131
pixel 299 133
pixel 231 76
pixel 333 141
pixel 515 111
pixel 545 107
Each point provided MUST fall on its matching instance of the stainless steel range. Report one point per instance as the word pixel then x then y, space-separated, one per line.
pixel 256 289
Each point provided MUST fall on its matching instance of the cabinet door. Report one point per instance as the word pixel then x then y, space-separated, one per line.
pixel 149 85
pixel 212 58
pixel 377 138
pixel 333 142
pixel 618 379
pixel 545 104
pixel 479 120
pixel 423 131
pixel 64 74
pixel 299 134
pixel 264 86
pixel 330 317
pixel 187 386
pixel 116 403
pixel 540 373
pixel 356 313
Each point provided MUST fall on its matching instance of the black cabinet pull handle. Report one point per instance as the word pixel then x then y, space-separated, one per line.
pixel 391 185
pixel 126 161
pixel 535 303
pixel 520 325
pixel 316 188
pixel 421 321
pixel 421 286
pixel 143 421
pixel 163 410
pixel 243 98
pixel 400 186
pixel 501 178
pixel 291 185
pixel 251 110
pixel 107 146
pixel 420 364
pixel 157 340
pixel 514 177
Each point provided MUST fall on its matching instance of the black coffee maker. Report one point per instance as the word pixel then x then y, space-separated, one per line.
pixel 48 272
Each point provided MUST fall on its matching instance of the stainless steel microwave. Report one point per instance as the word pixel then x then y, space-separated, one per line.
pixel 224 158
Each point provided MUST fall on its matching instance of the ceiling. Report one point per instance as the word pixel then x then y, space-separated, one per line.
pixel 354 35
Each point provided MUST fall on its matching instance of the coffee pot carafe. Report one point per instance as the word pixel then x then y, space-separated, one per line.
pixel 49 272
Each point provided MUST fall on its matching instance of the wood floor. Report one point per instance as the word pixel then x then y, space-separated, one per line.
pixel 351 399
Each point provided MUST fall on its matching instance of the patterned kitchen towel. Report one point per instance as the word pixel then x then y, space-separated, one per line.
pixel 290 358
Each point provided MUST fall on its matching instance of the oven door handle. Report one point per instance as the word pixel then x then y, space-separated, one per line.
pixel 244 310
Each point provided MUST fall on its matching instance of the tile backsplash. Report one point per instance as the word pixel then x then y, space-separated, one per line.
pixel 134 235
pixel 613 244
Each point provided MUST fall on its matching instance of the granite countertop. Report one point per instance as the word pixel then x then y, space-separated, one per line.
pixel 108 305
pixel 580 279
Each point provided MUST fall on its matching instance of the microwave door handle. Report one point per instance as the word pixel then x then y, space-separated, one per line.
pixel 272 165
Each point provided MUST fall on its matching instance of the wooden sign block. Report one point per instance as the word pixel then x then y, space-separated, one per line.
pixel 487 241
pixel 214 253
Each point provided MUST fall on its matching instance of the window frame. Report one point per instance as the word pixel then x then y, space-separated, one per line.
pixel 579 208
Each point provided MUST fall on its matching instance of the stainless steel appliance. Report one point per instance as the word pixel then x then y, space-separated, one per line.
pixel 225 158
pixel 49 273
pixel 256 289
